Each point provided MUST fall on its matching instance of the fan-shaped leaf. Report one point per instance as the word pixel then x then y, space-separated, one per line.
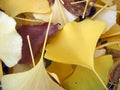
pixel 34 79
pixel 74 42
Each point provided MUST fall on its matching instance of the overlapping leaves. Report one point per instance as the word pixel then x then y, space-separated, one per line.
pixel 75 44
pixel 85 79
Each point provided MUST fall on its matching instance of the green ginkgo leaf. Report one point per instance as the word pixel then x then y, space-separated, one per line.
pixel 85 79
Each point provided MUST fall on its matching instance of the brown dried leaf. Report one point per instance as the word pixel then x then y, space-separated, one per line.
pixel 37 35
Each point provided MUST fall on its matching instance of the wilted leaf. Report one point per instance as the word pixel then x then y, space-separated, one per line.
pixel 74 42
pixel 61 70
pixel 85 79
pixel 107 16
pixel 13 7
pixel 34 79
pixel 37 35
pixel 10 41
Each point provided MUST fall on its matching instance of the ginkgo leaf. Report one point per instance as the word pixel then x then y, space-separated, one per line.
pixel 61 70
pixel 34 79
pixel 107 16
pixel 10 41
pixel 108 2
pixel 14 8
pixel 74 42
pixel 85 79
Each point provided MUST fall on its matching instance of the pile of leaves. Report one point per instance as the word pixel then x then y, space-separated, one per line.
pixel 60 45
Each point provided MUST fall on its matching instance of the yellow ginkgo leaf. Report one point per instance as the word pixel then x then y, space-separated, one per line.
pixel 76 43
pixel 85 79
pixel 61 70
pixel 34 79
pixel 13 7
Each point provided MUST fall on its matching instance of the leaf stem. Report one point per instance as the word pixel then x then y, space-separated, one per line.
pixel 87 2
pixel 31 52
pixel 99 11
pixel 100 79
pixel 46 36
